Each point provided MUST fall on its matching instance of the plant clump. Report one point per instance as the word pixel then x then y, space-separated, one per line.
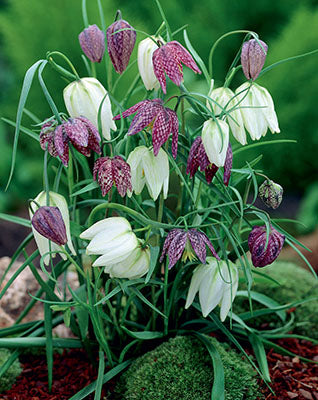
pixel 181 368
pixel 8 379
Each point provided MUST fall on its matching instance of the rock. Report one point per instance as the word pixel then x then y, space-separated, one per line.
pixel 292 395
pixel 307 395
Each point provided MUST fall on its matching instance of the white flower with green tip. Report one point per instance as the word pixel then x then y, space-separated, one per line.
pixel 145 51
pixel 215 139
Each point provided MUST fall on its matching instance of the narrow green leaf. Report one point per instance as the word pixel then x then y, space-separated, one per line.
pixel 147 302
pixel 22 129
pixel 145 335
pixel 99 382
pixel 249 146
pixel 27 82
pixel 154 254
pixel 16 220
pixel 91 186
pixel 48 343
pixel 260 354
pixel 27 342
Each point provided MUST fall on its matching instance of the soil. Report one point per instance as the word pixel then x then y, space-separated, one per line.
pixel 291 377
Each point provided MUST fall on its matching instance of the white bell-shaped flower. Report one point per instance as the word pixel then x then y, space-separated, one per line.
pixel 83 98
pixel 55 200
pixel 225 99
pixel 150 170
pixel 216 283
pixel 257 109
pixel 146 49
pixel 215 139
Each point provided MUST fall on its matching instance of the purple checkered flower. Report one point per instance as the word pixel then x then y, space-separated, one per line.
pixel 162 119
pixel 185 243
pixel 79 131
pixel 253 58
pixel 198 159
pixel 168 58
pixel 92 41
pixel 48 222
pixel 257 241
pixel 121 44
pixel 113 170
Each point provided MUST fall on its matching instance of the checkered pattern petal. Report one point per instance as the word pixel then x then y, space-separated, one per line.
pixel 121 175
pixel 228 165
pixel 144 117
pixel 161 129
pixel 92 41
pixel 158 69
pixel 61 141
pixel 83 150
pixel 202 157
pixel 197 244
pixel 105 176
pixel 76 131
pixel 131 110
pixel 93 135
pixel 184 56
pixel 171 235
pixel 206 240
pixel 97 165
pixel 175 131
pixel 176 248
pixel 47 139
pixel 193 163
pixel 210 172
pixel 171 63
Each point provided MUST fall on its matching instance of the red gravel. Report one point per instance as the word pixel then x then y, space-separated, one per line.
pixel 72 371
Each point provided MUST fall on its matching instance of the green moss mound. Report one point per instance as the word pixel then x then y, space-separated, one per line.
pixel 8 379
pixel 296 283
pixel 181 368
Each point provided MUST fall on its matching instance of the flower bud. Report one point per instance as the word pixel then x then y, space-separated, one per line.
pixel 253 58
pixel 121 44
pixel 215 139
pixel 92 41
pixel 262 255
pixel 49 223
pixel 83 98
pixel 271 193
pixel 146 49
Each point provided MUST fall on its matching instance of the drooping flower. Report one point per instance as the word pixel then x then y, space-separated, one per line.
pixel 149 170
pixel 111 238
pixel 271 193
pixel 134 266
pixel 215 140
pixel 48 222
pixel 92 41
pixel 113 171
pixel 168 58
pixel 187 244
pixel 83 98
pixel 262 255
pixel 225 99
pixel 253 58
pixel 146 49
pixel 55 201
pixel 257 109
pixel 162 119
pixel 217 284
pixel 79 131
pixel 199 159
pixel 120 44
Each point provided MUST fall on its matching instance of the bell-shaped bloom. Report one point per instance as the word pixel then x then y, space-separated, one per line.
pixel 83 98
pixel 187 244
pixel 168 59
pixel 146 49
pixel 217 284
pixel 257 109
pixel 48 222
pixel 253 58
pixel 111 238
pixel 149 170
pixel 271 193
pixel 120 44
pixel 56 201
pixel 215 140
pixel 79 131
pixel 92 41
pixel 262 255
pixel 199 159
pixel 226 101
pixel 162 119
pixel 133 267
pixel 113 171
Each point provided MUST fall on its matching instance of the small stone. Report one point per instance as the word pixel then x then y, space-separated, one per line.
pixel 307 395
pixel 292 395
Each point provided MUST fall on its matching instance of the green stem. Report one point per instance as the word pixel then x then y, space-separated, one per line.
pixel 93 69
pixel 84 13
pixel 58 53
pixel 165 299
pixel 198 195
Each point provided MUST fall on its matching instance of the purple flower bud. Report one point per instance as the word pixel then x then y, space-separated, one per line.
pixel 92 41
pixel 271 193
pixel 262 256
pixel 121 44
pixel 253 58
pixel 47 138
pixel 49 223
pixel 228 165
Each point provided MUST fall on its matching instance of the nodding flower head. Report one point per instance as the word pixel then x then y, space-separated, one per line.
pixel 168 59
pixel 199 159
pixel 48 221
pixel 162 119
pixel 92 41
pixel 187 244
pixel 253 58
pixel 262 255
pixel 271 193
pixel 113 171
pixel 79 131
pixel 121 38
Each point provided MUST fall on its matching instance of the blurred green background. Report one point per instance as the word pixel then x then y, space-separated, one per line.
pixel 28 29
